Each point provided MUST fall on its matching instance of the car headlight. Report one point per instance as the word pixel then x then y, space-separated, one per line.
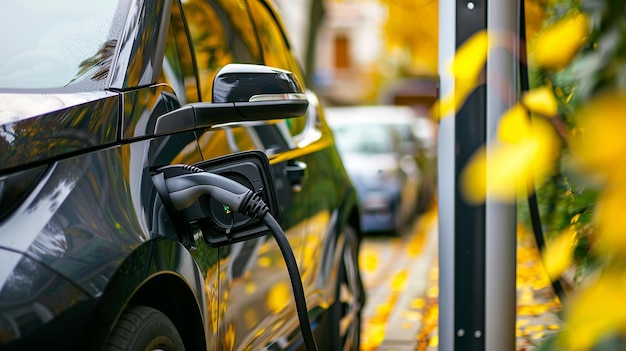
pixel 15 187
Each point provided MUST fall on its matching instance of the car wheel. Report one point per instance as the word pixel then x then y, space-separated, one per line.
pixel 142 328
pixel 349 297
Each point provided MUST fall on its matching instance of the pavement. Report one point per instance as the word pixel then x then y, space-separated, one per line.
pixel 401 278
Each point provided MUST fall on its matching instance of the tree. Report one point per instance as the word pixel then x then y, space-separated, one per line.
pixel 411 36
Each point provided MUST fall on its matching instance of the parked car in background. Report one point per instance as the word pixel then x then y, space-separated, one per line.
pixel 381 152
pixel 423 135
pixel 103 105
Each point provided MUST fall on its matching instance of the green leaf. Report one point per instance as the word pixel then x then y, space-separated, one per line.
pixel 587 198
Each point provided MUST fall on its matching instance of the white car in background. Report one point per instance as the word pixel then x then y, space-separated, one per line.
pixel 382 147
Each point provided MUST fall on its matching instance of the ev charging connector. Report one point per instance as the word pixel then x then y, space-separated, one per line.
pixel 190 192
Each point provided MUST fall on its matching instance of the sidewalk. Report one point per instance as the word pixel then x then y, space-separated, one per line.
pixel 537 303
pixel 400 293
pixel 402 313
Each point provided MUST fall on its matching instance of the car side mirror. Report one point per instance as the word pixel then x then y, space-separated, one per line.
pixel 241 93
pixel 260 92
pixel 238 82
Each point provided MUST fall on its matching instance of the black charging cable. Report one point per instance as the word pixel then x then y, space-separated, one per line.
pixel 185 189
pixel 533 207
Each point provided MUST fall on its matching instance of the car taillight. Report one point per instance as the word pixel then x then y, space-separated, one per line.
pixel 15 187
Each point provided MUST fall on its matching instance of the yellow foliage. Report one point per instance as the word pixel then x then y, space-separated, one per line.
pixel 470 58
pixel 509 166
pixel 599 141
pixel 535 14
pixel 514 125
pixel 598 310
pixel 368 260
pixel 541 101
pixel 466 68
pixel 558 254
pixel 411 26
pixel 610 220
pixel 279 296
pixel 556 46
pixel 398 283
pixel 229 337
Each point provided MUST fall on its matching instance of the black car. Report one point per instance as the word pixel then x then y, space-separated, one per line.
pixel 128 129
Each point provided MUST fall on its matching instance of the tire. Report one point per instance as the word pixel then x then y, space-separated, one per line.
pixel 142 328
pixel 349 298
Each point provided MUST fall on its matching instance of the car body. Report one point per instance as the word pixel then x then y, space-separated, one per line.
pixel 424 129
pixel 96 95
pixel 379 151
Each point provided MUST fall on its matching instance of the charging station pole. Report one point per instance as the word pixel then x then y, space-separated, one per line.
pixel 477 256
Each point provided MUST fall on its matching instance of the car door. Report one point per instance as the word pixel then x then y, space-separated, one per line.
pixel 149 147
pixel 325 184
pixel 256 304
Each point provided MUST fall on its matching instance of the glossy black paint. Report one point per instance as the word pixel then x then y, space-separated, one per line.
pixel 88 235
pixel 231 85
pixel 79 122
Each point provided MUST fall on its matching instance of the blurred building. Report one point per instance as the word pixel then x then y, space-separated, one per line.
pixel 353 64
pixel 350 48
pixel 349 45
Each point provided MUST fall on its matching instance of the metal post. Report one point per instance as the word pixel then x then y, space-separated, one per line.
pixel 446 181
pixel 477 242
pixel 500 291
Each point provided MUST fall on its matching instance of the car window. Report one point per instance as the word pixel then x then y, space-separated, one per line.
pixel 178 68
pixel 364 138
pixel 276 51
pixel 273 138
pixel 59 44
pixel 221 34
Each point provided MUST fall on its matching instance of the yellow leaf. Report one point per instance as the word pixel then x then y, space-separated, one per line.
pixel 453 101
pixel 597 310
pixel 514 125
pixel 434 341
pixel 432 291
pixel 418 303
pixel 508 167
pixel 556 46
pixel 599 140
pixel 466 67
pixel 398 283
pixel 470 58
pixel 265 261
pixel 610 220
pixel 278 297
pixel 250 288
pixel 384 309
pixel 541 101
pixel 229 337
pixel 369 260
pixel 558 254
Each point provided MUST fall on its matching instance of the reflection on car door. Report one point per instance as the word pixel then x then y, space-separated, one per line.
pixel 255 299
pixel 320 190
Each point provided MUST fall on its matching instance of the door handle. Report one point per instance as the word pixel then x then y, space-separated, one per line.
pixel 296 171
